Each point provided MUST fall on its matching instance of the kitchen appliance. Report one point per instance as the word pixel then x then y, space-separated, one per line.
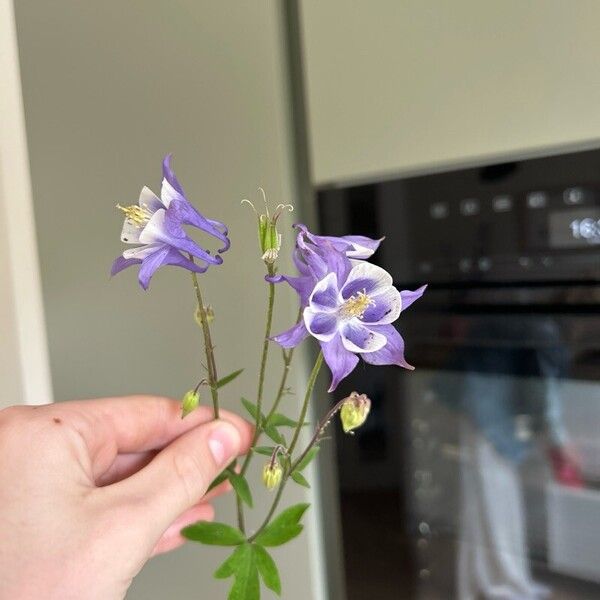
pixel 477 474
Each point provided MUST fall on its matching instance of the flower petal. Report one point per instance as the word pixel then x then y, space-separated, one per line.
pixel 385 309
pixel 291 337
pixel 171 188
pixel 409 297
pixel 322 325
pixel 150 264
pixel 367 278
pixel 340 361
pixel 122 263
pixel 149 200
pixel 140 252
pixel 360 247
pixel 356 337
pixel 392 353
pixel 326 295
pixel 302 285
pixel 156 231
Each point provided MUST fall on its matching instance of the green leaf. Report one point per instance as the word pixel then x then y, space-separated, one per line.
pixel 283 528
pixel 241 487
pixel 300 479
pixel 279 420
pixel 218 480
pixel 214 534
pixel 228 378
pixel 267 569
pixel 307 459
pixel 272 432
pixel 264 450
pixel 250 407
pixel 246 585
pixel 232 564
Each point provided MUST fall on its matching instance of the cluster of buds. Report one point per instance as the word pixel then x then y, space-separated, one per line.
pixel 268 236
pixel 354 411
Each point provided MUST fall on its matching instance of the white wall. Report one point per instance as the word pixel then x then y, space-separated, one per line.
pixel 110 87
pixel 397 85
pixel 24 368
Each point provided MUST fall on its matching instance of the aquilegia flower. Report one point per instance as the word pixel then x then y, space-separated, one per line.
pixel 350 312
pixel 316 255
pixel 157 225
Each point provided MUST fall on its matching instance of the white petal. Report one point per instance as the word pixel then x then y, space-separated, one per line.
pixel 367 278
pixel 141 251
pixel 322 325
pixel 154 229
pixel 130 234
pixel 149 200
pixel 385 309
pixel 358 338
pixel 325 296
pixel 168 193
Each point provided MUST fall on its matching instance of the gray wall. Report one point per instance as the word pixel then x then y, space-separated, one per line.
pixel 110 87
pixel 397 85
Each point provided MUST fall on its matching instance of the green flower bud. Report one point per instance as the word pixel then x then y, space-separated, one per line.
pixel 269 238
pixel 272 474
pixel 190 402
pixel 354 411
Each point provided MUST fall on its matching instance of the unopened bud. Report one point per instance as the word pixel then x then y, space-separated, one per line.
pixel 190 402
pixel 354 411
pixel 272 474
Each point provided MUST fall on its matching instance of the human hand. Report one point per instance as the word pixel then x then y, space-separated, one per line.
pixel 90 490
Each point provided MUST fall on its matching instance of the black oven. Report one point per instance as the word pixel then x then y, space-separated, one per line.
pixel 478 474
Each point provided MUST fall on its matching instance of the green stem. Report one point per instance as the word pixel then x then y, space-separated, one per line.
pixel 311 384
pixel 208 347
pixel 309 389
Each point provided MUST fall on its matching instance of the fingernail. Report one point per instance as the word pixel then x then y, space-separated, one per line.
pixel 224 442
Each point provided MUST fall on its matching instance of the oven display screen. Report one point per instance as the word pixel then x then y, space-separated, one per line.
pixel 578 228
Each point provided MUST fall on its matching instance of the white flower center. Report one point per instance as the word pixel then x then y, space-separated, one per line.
pixel 356 305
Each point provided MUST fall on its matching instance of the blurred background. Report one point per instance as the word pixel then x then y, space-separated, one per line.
pixel 467 133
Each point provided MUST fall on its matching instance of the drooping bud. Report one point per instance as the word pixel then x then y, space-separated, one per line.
pixel 354 411
pixel 190 402
pixel 268 236
pixel 272 474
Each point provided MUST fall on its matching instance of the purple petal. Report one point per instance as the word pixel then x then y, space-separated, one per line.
pixel 325 295
pixel 181 212
pixel 368 278
pixel 392 353
pixel 302 285
pixel 169 174
pixel 361 247
pixel 356 337
pixel 385 308
pixel 409 297
pixel 321 325
pixel 122 263
pixel 177 259
pixel 340 361
pixel 150 264
pixel 291 337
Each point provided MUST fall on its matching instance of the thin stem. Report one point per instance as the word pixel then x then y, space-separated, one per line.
pixel 208 347
pixel 310 385
pixel 309 389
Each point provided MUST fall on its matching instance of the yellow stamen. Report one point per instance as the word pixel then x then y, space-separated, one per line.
pixel 137 215
pixel 356 305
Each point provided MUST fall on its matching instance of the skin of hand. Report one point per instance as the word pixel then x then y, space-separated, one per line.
pixel 90 490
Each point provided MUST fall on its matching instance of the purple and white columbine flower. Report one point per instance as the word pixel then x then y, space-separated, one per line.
pixel 350 312
pixel 317 255
pixel 157 225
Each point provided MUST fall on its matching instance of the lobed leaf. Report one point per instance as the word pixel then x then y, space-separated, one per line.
pixel 232 563
pixel 272 432
pixel 246 585
pixel 283 528
pixel 214 534
pixel 279 420
pixel 264 450
pixel 228 378
pixel 241 487
pixel 250 407
pixel 267 569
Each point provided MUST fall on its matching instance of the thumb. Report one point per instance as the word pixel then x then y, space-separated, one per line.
pixel 179 475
